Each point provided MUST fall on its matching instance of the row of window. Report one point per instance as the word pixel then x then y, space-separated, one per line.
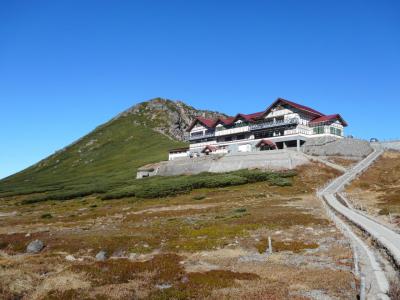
pixel 201 133
pixel 332 130
pixel 230 138
pixel 267 134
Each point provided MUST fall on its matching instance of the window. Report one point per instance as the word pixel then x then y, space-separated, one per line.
pixel 263 134
pixel 336 131
pixel 241 137
pixel 209 131
pixel 199 133
pixel 228 139
pixel 319 130
pixel 240 124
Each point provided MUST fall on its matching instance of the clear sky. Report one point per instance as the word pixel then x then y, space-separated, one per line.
pixel 68 66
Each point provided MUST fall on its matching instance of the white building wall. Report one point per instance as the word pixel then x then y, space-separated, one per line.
pixel 173 156
pixel 232 131
pixel 198 127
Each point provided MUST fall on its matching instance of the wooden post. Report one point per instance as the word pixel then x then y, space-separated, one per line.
pixel 356 268
pixel 390 218
pixel 269 245
pixel 362 288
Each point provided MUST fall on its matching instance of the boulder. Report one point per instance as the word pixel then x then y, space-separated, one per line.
pixel 101 256
pixel 35 246
pixel 70 258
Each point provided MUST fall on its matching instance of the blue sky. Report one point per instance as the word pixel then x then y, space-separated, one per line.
pixel 68 66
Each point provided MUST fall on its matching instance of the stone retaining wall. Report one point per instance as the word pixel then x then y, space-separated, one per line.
pixel 271 160
pixel 329 146
pixel 392 145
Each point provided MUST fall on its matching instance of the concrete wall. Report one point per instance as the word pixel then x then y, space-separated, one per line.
pixel 391 145
pixel 327 146
pixel 271 160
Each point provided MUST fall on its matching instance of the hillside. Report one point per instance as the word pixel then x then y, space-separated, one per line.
pixel 109 155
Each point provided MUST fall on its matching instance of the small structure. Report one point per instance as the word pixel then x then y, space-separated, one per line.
pixel 178 153
pixel 209 149
pixel 266 145
pixel 147 171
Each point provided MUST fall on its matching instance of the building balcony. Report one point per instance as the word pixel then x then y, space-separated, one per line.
pixel 203 136
pixel 265 125
pixel 233 130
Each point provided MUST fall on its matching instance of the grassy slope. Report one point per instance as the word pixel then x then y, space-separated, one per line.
pixel 108 156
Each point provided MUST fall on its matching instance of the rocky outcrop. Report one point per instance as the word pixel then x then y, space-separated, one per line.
pixel 166 116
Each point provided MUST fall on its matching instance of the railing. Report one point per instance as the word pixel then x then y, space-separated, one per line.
pixel 203 136
pixel 274 124
pixel 233 130
pixel 238 125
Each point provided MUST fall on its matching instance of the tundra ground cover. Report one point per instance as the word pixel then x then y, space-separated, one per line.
pixel 207 243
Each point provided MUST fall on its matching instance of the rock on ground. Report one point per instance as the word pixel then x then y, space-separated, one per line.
pixel 35 246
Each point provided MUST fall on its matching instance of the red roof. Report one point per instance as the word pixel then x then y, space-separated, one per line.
pixel 249 117
pixel 226 121
pixel 255 115
pixel 328 118
pixel 266 142
pixel 296 105
pixel 318 116
pixel 206 122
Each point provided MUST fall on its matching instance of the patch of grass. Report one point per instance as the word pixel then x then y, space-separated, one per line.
pixel 67 295
pixel 46 216
pixel 278 246
pixel 163 268
pixel 157 186
pixel 208 236
pixel 17 242
pixel 199 197
pixel 64 195
pixel 200 284
pixel 240 210
pixel 384 211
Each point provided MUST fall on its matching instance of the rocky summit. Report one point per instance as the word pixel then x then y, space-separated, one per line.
pixel 168 117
